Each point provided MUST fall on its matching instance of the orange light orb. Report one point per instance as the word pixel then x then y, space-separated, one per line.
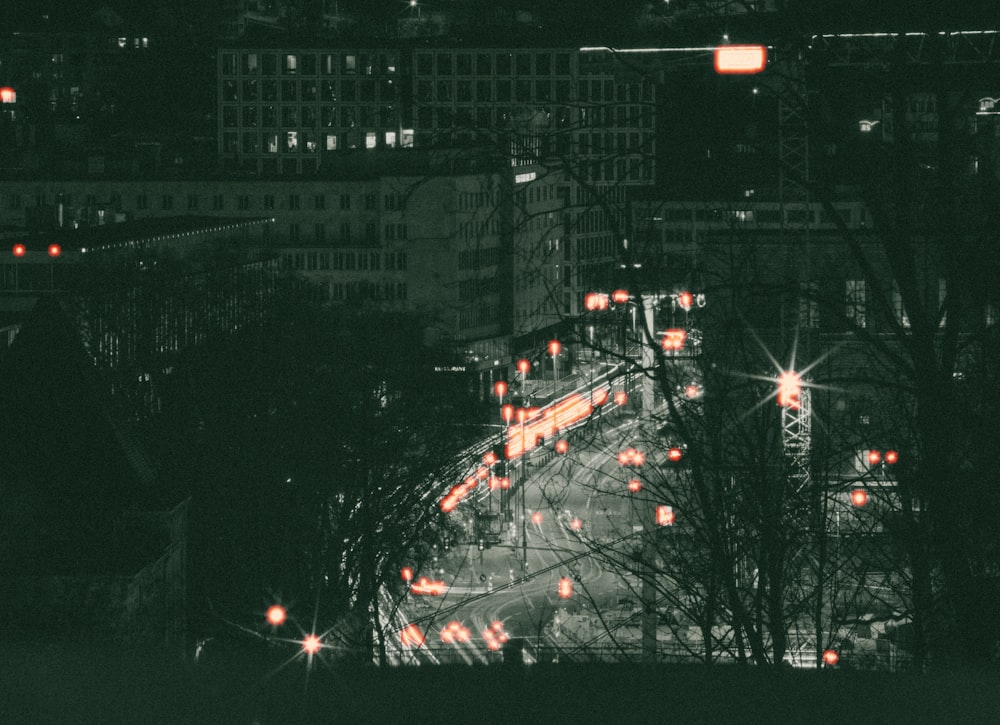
pixel 831 657
pixel 621 397
pixel 620 296
pixel 276 615
pixel 891 457
pixel 562 446
pixel 536 518
pixel 874 458
pixel 19 250
pixel 312 644
pixel 635 485
pixel 675 454
pixel 859 497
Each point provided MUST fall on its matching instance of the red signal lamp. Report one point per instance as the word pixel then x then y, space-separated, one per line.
pixel 675 454
pixel 500 388
pixel 740 59
pixel 859 497
pixel 507 412
pixel 562 446
pixel 54 250
pixel 635 485
pixel 685 300
pixel 831 657
pixel 19 250
pixel 789 390
pixel 565 588
pixel 665 516
pixel 523 366
pixel 891 457
pixel 554 347
pixel 874 458
pixel 620 296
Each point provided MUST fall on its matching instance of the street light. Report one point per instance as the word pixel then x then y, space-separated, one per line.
pixel 789 389
pixel 500 388
pixel 276 615
pixel 554 348
pixel 523 366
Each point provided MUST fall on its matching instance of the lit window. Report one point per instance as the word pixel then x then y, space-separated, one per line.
pixel 406 138
pixel 390 139
pixel 291 140
pixel 331 142
pixel 122 42
pixel 370 140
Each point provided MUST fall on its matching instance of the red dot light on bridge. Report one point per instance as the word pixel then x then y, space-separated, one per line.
pixel 311 644
pixel 859 497
pixel 891 457
pixel 675 454
pixel 874 458
pixel 54 250
pixel 276 615
pixel 562 446
pixel 635 485
pixel 19 250
pixel 831 657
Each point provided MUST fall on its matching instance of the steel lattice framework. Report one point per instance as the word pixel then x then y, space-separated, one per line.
pixel 796 437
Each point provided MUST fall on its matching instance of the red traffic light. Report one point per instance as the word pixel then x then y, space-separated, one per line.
pixel 740 59
pixel 565 588
pixel 19 250
pixel 874 457
pixel 54 250
pixel 554 347
pixel 891 457
pixel 859 497
pixel 595 301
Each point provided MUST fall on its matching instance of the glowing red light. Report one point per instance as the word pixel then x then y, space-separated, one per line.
pixel 685 300
pixel 276 615
pixel 482 473
pixel 831 657
pixel 692 391
pixel 489 458
pixel 740 59
pixel 411 636
pixel 673 339
pixel 407 573
pixel 500 388
pixel 620 296
pixel 621 397
pixel 675 454
pixel 8 95
pixel 449 502
pixel 565 588
pixel 576 524
pixel 429 587
pixel 536 518
pixel 891 457
pixel 507 412
pixel 595 301
pixel 635 485
pixel 600 396
pixel 554 347
pixel 19 250
pixel 789 389
pixel 311 644
pixel 664 516
pixel 874 457
pixel 523 366
pixel 54 250
pixel 859 497
pixel 504 483
pixel 562 446
pixel 454 632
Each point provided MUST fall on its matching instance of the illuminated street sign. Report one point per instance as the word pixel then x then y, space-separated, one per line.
pixel 740 59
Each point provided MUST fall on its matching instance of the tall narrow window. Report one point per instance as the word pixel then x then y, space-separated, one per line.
pixel 855 302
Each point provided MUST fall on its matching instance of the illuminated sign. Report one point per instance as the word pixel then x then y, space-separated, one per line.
pixel 740 59
pixel 525 178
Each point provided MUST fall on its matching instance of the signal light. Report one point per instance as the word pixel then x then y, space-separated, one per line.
pixel 620 296
pixel 19 250
pixel 685 300
pixel 554 347
pixel 565 588
pixel 536 518
pixel 891 457
pixel 523 366
pixel 407 573
pixel 740 59
pixel 831 657
pixel 635 485
pixel 621 397
pixel 500 388
pixel 675 454
pixel 562 446
pixel 54 250
pixel 673 339
pixel 874 458
pixel 576 524
pixel 859 497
